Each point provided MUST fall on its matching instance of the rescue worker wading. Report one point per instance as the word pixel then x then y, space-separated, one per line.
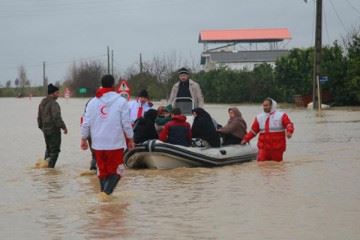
pixel 273 126
pixel 50 122
pixel 107 122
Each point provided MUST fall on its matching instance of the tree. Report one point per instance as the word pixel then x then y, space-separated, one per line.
pixel 353 70
pixel 85 75
pixel 22 76
pixel 293 74
pixel 8 84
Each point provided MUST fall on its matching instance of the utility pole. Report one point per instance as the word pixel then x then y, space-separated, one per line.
pixel 112 62
pixel 317 57
pixel 141 64
pixel 44 79
pixel 108 60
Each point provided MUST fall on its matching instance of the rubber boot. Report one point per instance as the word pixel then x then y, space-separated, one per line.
pixel 53 159
pixel 110 183
pixel 46 154
pixel 102 184
pixel 93 164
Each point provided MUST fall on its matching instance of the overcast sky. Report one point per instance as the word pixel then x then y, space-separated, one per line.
pixel 63 31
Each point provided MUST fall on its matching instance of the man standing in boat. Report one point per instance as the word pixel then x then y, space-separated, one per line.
pixel 186 88
pixel 107 122
pixel 274 126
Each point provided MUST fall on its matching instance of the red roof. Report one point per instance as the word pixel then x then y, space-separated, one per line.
pixel 245 35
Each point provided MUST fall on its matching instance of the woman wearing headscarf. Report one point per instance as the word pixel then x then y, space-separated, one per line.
pixel 203 127
pixel 235 129
pixel 144 128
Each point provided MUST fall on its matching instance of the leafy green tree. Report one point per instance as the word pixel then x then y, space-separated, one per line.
pixel 353 70
pixel 293 74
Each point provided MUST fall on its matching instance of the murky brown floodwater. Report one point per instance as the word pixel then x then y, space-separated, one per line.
pixel 313 194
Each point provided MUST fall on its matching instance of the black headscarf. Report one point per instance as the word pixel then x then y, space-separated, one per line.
pixel 145 127
pixel 203 127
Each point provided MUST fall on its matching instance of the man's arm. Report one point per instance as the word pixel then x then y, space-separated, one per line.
pixel 126 125
pixel 56 115
pixel 85 126
pixel 39 120
pixel 255 128
pixel 288 125
pixel 200 96
pixel 172 94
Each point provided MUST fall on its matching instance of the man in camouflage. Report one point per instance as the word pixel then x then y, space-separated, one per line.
pixel 50 122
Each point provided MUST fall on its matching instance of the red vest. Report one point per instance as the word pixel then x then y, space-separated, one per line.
pixel 272 130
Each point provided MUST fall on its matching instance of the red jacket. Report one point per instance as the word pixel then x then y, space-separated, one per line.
pixel 177 131
pixel 272 127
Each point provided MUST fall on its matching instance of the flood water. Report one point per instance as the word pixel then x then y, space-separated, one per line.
pixel 313 194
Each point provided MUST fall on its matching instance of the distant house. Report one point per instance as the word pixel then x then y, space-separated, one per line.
pixel 242 48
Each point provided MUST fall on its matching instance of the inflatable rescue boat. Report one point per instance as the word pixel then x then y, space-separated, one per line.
pixel 155 154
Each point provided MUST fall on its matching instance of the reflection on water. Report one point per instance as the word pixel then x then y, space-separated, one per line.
pixel 313 194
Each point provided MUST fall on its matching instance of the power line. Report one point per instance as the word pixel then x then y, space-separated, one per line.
pixel 353 7
pixel 337 15
pixel 50 64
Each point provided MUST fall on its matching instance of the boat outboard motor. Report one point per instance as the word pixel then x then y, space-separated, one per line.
pixel 110 183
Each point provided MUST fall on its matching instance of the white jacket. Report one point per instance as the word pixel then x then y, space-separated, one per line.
pixel 134 107
pixel 106 120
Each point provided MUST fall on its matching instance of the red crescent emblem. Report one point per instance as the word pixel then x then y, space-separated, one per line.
pixel 102 111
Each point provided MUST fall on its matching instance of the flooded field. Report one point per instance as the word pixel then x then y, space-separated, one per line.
pixel 313 194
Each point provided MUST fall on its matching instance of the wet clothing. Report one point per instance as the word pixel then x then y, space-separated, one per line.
pixel 203 127
pixel 107 122
pixel 177 131
pixel 271 128
pixel 109 163
pixel 235 129
pixel 144 128
pixel 137 109
pixel 194 89
pixel 53 143
pixel 50 122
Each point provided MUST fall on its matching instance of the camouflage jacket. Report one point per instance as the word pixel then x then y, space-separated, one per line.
pixel 49 116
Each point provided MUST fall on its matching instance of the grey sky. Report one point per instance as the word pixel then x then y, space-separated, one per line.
pixel 60 32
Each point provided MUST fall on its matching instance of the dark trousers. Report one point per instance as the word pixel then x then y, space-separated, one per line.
pixel 53 142
pixel 230 139
pixel 93 161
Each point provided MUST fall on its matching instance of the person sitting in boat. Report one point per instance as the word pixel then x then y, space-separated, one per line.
pixel 235 129
pixel 164 116
pixel 177 131
pixel 144 128
pixel 139 106
pixel 203 127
